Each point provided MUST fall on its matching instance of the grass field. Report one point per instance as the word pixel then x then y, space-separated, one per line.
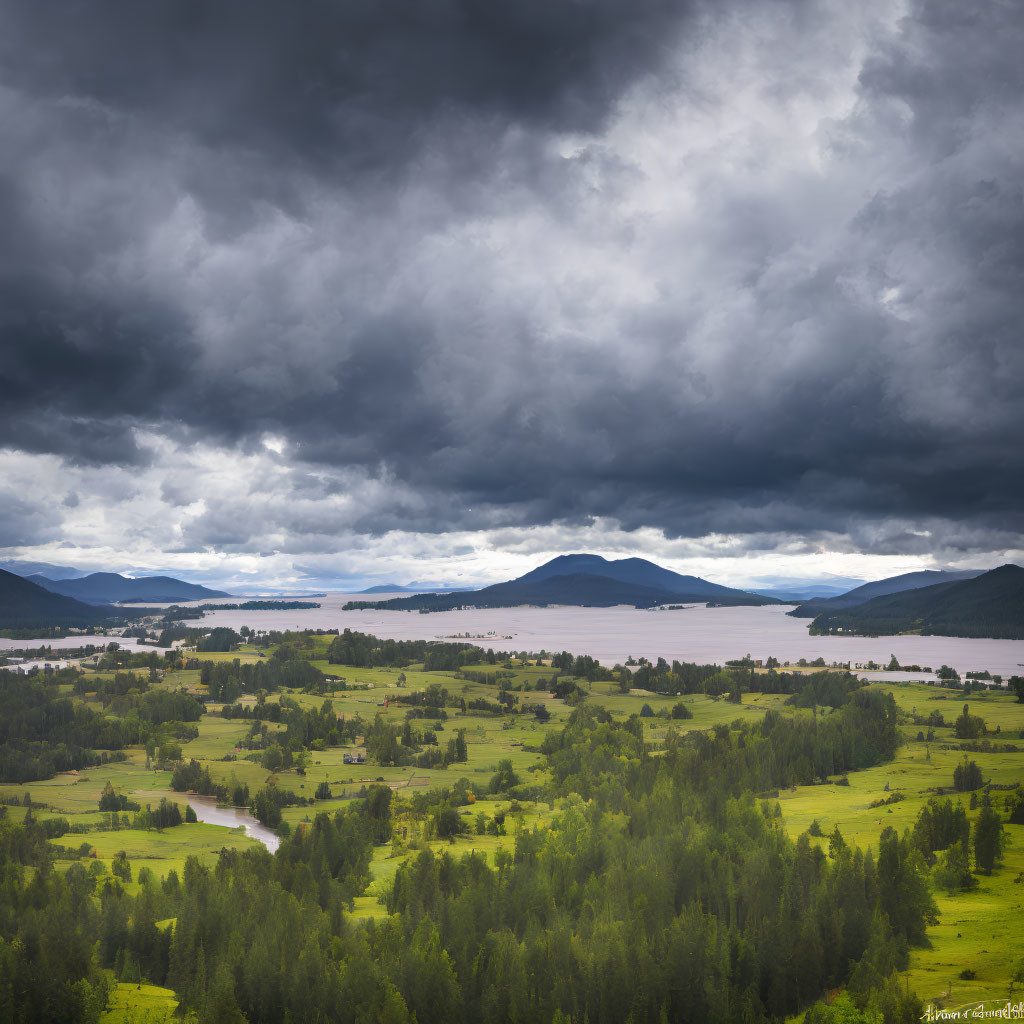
pixel 140 1004
pixel 982 930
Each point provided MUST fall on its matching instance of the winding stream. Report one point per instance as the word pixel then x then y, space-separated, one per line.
pixel 208 812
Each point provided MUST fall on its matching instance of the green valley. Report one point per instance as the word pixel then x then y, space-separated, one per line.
pixel 477 835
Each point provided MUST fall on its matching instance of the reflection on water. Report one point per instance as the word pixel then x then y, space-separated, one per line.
pixel 231 817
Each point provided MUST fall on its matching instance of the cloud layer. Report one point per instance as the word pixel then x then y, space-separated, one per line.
pixel 280 281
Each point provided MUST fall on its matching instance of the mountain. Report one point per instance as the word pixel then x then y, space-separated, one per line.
pixel 108 587
pixel 989 605
pixel 578 588
pixel 583 580
pixel 51 572
pixel 394 588
pixel 24 604
pixel 794 590
pixel 637 571
pixel 880 588
pixel 584 589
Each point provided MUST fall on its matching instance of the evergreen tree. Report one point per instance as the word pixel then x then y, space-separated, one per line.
pixel 903 892
pixel 953 872
pixel 966 776
pixel 988 837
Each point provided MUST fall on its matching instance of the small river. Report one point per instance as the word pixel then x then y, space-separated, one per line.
pixel 208 812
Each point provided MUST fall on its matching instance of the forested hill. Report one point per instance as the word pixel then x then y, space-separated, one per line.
pixel 583 580
pixel 880 588
pixel 25 604
pixel 990 605
pixel 108 587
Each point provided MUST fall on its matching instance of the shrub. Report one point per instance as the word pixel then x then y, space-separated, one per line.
pixel 504 778
pixel 448 822
pixel 121 867
pixel 895 798
pixel 968 726
pixel 966 776
pixel 111 801
pixel 1015 805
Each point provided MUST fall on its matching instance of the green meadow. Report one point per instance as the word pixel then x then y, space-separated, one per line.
pixel 141 1004
pixel 980 931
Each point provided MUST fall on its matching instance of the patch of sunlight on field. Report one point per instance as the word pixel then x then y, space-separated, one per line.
pixel 367 907
pixel 383 867
pixel 79 793
pixel 140 1004
pixel 980 931
pixel 217 737
pixel 245 657
pixel 910 774
pixel 160 851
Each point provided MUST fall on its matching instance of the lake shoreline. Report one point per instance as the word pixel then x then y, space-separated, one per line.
pixel 693 633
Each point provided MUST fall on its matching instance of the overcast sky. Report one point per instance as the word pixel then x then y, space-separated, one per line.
pixel 436 289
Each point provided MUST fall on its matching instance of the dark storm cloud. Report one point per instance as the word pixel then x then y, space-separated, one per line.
pixel 342 85
pixel 404 239
pixel 83 357
pixel 242 101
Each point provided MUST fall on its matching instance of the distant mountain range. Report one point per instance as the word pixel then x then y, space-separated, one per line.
pixel 395 588
pixel 109 587
pixel 969 603
pixel 880 588
pixel 989 604
pixel 24 604
pixel 50 571
pixel 794 590
pixel 584 580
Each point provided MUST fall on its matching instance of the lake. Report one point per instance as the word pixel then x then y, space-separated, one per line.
pixel 699 634
pixel 693 633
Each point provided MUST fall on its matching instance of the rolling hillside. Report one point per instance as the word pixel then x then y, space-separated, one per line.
pixel 881 588
pixel 109 587
pixel 24 604
pixel 990 605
